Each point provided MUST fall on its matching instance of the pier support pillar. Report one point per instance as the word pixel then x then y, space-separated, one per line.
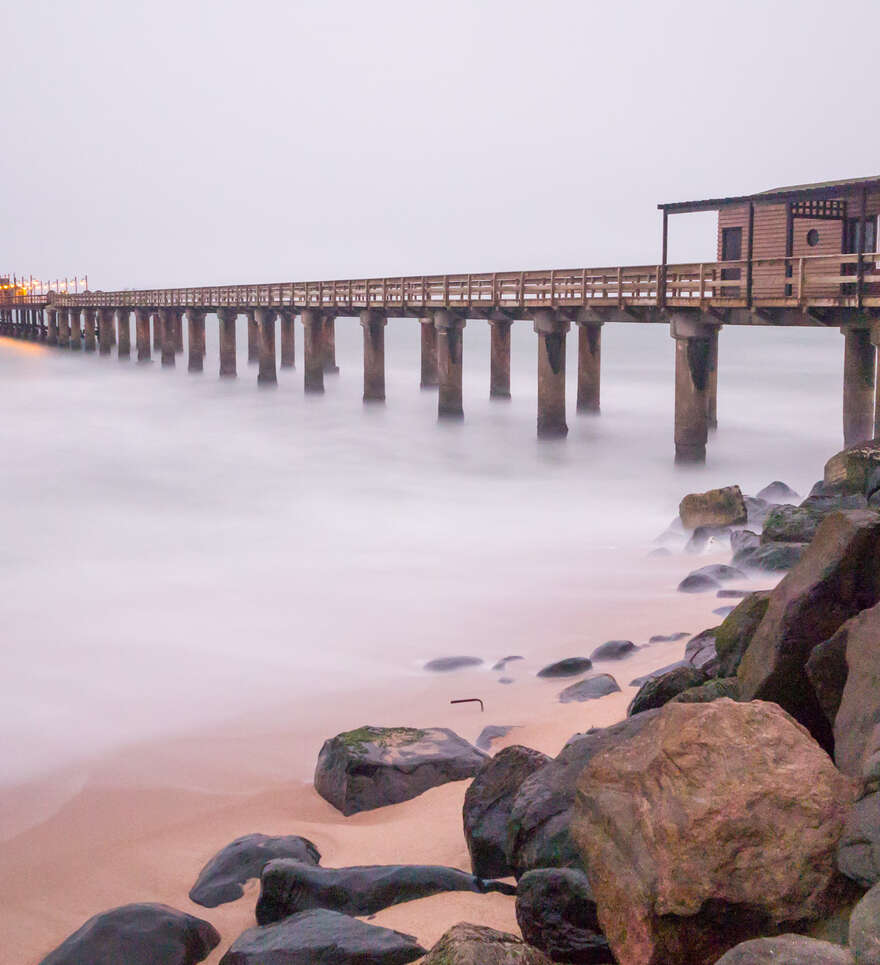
pixel 167 323
pixel 63 328
pixel 692 351
pixel 499 358
pixel 430 377
pixel 330 365
pixel 106 330
pixel 157 331
pixel 73 315
pixel 195 323
pixel 712 381
pixel 142 334
pixel 226 317
pixel 178 331
pixel 313 350
pixel 266 320
pixel 589 367
pixel 52 337
pixel 374 323
pixel 253 336
pixel 123 324
pixel 859 363
pixel 449 363
pixel 551 331
pixel 90 340
pixel 288 339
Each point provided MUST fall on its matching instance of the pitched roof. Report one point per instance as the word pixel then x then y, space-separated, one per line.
pixel 826 188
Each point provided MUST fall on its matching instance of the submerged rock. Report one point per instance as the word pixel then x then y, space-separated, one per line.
pixel 698 583
pixel 743 541
pixel 717 507
pixel 613 650
pixel 488 735
pixel 466 944
pixel 590 689
pixel 504 661
pixel 778 492
pixel 445 664
pixel 669 638
pixel 771 557
pixel 570 667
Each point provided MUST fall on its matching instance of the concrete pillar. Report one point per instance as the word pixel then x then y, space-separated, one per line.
pixel 75 329
pixel 253 336
pixel 449 361
pixel 52 338
pixel 195 322
pixel 90 342
pixel 712 381
pixel 330 344
pixel 157 331
pixel 551 331
pixel 106 330
pixel 63 328
pixel 589 366
pixel 266 320
pixel 313 350
pixel 499 359
pixel 288 339
pixel 859 363
pixel 430 378
pixel 692 352
pixel 167 321
pixel 123 323
pixel 142 334
pixel 178 331
pixel 374 355
pixel 226 318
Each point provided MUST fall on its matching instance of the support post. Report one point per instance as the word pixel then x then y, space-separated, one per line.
pixel 266 321
pixel 226 317
pixel 52 338
pixel 123 324
pixel 168 318
pixel 551 331
pixel 63 328
pixel 253 336
pixel 330 365
pixel 692 349
pixel 195 323
pixel 430 377
pixel 288 339
pixel 859 363
pixel 712 380
pixel 449 363
pixel 499 358
pixel 142 333
pixel 313 350
pixel 589 367
pixel 105 330
pixel 373 324
pixel 75 330
pixel 157 331
pixel 90 342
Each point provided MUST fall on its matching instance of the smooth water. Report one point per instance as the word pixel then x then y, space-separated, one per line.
pixel 177 549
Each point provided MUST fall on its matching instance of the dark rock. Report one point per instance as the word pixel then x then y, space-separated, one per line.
pixel 489 734
pixel 698 583
pixel 539 826
pixel 792 524
pixel 445 664
pixel 864 929
pixel 850 470
pixel 838 576
pixel 732 594
pixel 139 934
pixel 720 572
pixel 856 731
pixel 757 510
pixel 771 557
pixel 872 483
pixel 556 913
pixel 505 680
pixel 668 638
pixel 787 950
pixel 504 661
pixel 723 611
pixel 700 651
pixel 321 937
pixel 487 805
pixel 659 672
pixel 778 492
pixel 374 766
pixel 711 690
pixel 736 631
pixel 466 944
pixel 832 501
pixel 704 535
pixel 222 877
pixel 660 690
pixel 570 667
pixel 858 852
pixel 288 887
pixel 744 540
pixel 613 650
pixel 590 689
pixel 827 671
pixel 717 507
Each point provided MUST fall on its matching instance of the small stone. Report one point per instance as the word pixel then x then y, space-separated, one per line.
pixel 732 594
pixel 668 638
pixel 445 664
pixel 504 661
pixel 491 733
pixel 723 611
pixel 590 689
pixel 505 680
pixel 570 667
pixel 778 492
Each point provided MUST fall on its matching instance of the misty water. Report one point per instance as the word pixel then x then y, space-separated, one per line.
pixel 177 549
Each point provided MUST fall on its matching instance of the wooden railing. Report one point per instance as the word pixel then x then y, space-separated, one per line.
pixel 810 280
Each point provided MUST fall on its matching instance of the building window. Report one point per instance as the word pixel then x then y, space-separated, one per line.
pixel 812 237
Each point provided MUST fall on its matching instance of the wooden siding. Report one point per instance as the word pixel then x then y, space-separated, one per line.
pixel 771 236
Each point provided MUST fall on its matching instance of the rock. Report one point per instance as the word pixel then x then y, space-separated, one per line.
pixel 321 937
pixel 445 664
pixel 504 661
pixel 709 691
pixel 660 690
pixel 374 766
pixel 787 950
pixel 139 934
pixel 858 853
pixel 489 734
pixel 850 470
pixel 723 611
pixel 757 510
pixel 732 594
pixel 660 551
pixel 222 877
pixel 703 536
pixel 669 638
pixel 720 572
pixel 792 524
pixel 864 929
pixel 487 805
pixel 505 680
pixel 736 631
pixel 743 540
pixel 613 650
pixel 717 507
pixel 590 689
pixel 700 651
pixel 836 578
pixel 538 832
pixel 826 669
pixel 856 732
pixel 778 492
pixel 771 557
pixel 833 500
pixel 659 672
pixel 466 944
pixel 715 823
pixel 570 667
pixel 698 583
pixel 556 913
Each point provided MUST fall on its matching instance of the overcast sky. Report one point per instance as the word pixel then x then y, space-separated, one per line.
pixel 189 142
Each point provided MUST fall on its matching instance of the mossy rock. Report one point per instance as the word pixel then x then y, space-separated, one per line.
pixel 736 631
pixel 709 691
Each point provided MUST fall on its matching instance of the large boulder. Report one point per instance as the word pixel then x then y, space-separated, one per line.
pixel 374 766
pixel 139 934
pixel 658 691
pixel 787 950
pixel 556 912
pixel 466 944
pixel 792 524
pixel 715 823
pixel 539 832
pixel 858 853
pixel 713 689
pixel 838 576
pixel 613 650
pixel 222 877
pixel 288 887
pixel 856 730
pixel 864 929
pixel 737 629
pixel 771 557
pixel 851 469
pixel 717 507
pixel 321 937
pixel 826 670
pixel 569 667
pixel 487 805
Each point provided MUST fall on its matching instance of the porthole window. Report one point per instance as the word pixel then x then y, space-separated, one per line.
pixel 812 237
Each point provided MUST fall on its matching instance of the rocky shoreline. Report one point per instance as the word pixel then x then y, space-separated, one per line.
pixel 732 817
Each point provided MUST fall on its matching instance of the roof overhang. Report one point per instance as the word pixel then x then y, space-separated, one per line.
pixel 828 189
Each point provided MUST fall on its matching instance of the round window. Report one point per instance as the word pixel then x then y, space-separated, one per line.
pixel 812 237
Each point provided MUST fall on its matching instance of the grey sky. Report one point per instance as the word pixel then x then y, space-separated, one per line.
pixel 197 142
